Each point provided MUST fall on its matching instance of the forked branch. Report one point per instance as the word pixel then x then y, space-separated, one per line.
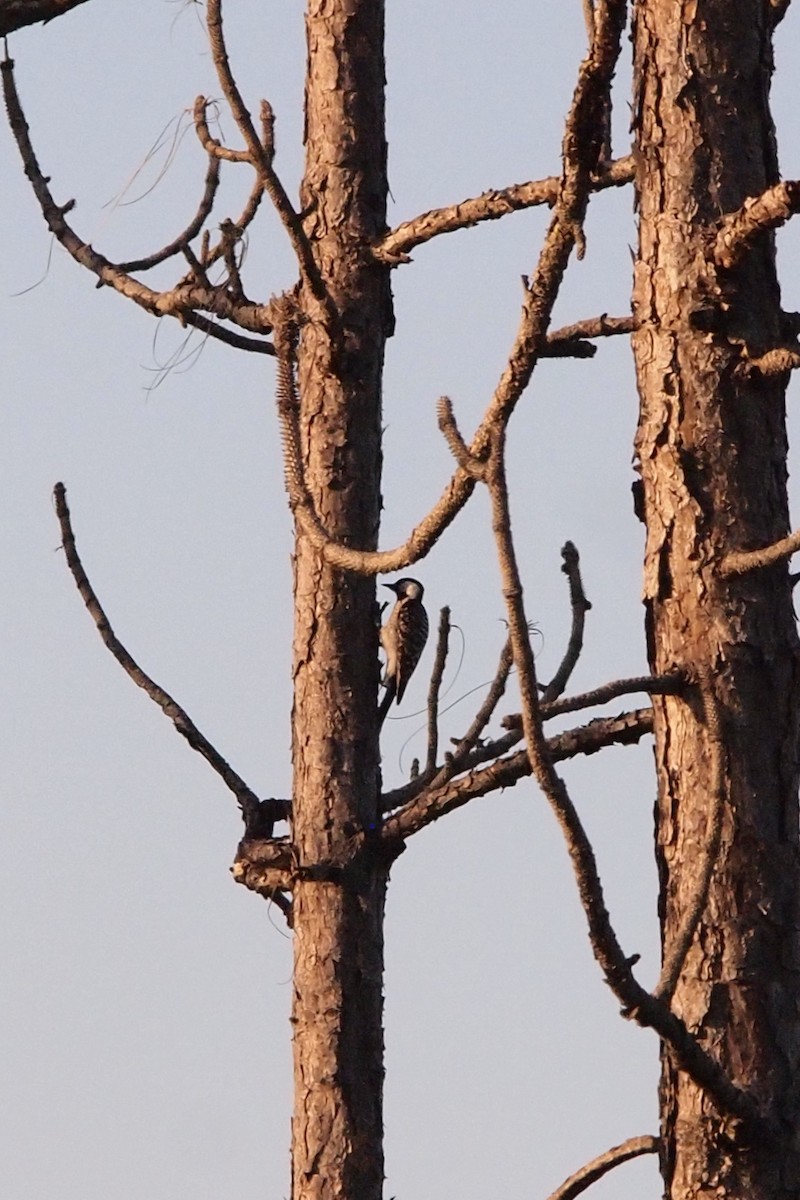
pixel 180 302
pixel 261 159
pixel 420 804
pixel 581 150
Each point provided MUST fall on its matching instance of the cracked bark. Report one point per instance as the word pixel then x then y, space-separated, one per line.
pixel 712 449
pixel 338 896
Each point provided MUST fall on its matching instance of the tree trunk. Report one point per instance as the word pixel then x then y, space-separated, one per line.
pixel 339 895
pixel 712 450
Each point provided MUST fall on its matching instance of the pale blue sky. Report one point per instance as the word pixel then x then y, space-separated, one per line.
pixel 145 997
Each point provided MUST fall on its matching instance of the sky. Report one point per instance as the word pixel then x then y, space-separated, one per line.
pixel 144 1005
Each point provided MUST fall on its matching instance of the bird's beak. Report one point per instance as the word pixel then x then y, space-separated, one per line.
pixel 391 586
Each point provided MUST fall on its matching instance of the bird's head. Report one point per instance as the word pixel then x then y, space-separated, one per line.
pixel 411 588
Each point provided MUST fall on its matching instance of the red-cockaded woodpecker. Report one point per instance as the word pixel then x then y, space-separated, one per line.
pixel 403 638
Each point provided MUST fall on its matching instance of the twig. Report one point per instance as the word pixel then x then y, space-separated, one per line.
pixel 598 1167
pixel 434 688
pixel 395 247
pixel 605 945
pixel 570 338
pixel 581 149
pixel 261 158
pixel 419 804
pixel 228 336
pixel 675 954
pixel 456 761
pixel 248 800
pixel 654 685
pixel 190 232
pixel 178 302
pixel 742 561
pixel 212 146
pixel 571 567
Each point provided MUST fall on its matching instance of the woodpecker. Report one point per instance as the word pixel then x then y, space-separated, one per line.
pixel 403 638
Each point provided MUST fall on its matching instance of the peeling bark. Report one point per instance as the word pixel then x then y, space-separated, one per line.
pixel 341 875
pixel 712 448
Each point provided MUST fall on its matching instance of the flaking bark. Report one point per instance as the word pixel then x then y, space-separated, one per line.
pixel 712 451
pixel 340 882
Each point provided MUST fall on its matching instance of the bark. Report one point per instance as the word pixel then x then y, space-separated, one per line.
pixel 341 877
pixel 712 450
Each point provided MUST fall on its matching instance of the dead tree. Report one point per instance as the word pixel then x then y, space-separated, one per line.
pixel 714 352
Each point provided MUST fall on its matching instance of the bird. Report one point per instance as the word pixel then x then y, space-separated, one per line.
pixel 403 638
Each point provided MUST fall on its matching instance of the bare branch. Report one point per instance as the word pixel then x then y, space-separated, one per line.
pixel 598 1167
pixel 458 759
pixel 16 14
pixel 228 336
pixel 396 245
pixel 581 149
pixel 570 340
pixel 248 800
pixel 212 146
pixel 602 937
pixel 758 214
pixel 580 606
pixel 452 435
pixel 178 302
pixel 637 1003
pixel 675 954
pixel 434 688
pixel 427 803
pixel 261 158
pixel 742 561
pixel 654 685
pixel 190 232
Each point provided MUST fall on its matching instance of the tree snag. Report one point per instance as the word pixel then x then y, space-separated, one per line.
pixel 712 449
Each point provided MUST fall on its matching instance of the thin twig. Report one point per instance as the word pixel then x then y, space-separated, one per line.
pixel 455 762
pixel 210 144
pixel 178 302
pixel 434 688
pixel 654 685
pixel 675 954
pixel 420 803
pixel 228 336
pixel 248 800
pixel 261 158
pixel 571 567
pixel 598 1167
pixel 190 232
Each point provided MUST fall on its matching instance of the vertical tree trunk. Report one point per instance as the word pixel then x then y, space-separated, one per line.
pixel 712 447
pixel 338 899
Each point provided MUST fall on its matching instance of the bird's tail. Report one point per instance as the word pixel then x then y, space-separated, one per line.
pixel 386 702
